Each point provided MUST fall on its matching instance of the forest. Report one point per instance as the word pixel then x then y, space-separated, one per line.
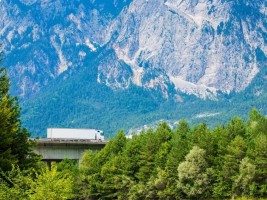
pixel 189 162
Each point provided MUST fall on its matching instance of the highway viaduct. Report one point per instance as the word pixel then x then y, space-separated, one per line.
pixel 55 150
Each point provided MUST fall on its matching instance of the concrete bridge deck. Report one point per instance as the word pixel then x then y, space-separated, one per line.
pixel 58 149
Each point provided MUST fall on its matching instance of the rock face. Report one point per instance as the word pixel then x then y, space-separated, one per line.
pixel 201 46
pixel 43 39
pixel 198 47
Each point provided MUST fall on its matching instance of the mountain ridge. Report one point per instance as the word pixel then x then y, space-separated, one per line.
pixel 147 58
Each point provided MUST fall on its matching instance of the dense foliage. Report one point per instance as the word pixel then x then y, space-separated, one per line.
pixel 186 163
pixel 190 162
pixel 42 184
pixel 15 147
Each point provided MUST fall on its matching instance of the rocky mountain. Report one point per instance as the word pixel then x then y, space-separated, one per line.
pixel 200 46
pixel 168 50
pixel 43 39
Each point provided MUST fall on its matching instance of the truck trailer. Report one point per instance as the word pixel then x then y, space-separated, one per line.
pixel 72 133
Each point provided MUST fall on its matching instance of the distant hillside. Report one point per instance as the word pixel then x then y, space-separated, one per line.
pixel 117 64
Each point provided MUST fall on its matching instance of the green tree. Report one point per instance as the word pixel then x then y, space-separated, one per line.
pixel 229 169
pixel 17 184
pixel 194 175
pixel 258 154
pixel 146 162
pixel 164 186
pixel 137 192
pixel 51 185
pixel 100 170
pixel 236 127
pixel 131 156
pixel 257 125
pixel 71 168
pixel 244 182
pixel 201 136
pixel 90 177
pixel 115 184
pixel 179 146
pixel 221 141
pixel 15 146
pixel 162 155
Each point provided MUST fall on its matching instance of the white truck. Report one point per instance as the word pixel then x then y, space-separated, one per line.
pixel 73 133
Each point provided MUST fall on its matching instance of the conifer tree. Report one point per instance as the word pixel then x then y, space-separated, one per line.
pixel 15 146
pixel 229 171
